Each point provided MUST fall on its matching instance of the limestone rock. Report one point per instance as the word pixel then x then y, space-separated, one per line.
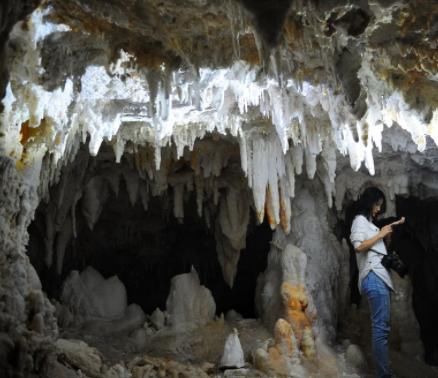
pixel 355 357
pixel 89 295
pixel 132 319
pixel 189 304
pixel 233 354
pixel 117 371
pixel 138 338
pixel 295 303
pixel 233 316
pixel 81 356
pixel 279 359
pixel 99 305
pixel 57 369
pixel 152 367
pixel 157 319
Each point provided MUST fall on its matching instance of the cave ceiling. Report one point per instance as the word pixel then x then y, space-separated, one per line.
pixel 326 77
pixel 313 41
pixel 312 37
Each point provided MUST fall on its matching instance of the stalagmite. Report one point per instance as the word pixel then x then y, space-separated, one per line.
pixel 295 303
pixel 233 354
pixel 189 304
pixel 89 295
pixel 280 358
pixel 158 318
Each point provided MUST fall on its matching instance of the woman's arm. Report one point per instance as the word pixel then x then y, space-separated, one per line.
pixel 367 244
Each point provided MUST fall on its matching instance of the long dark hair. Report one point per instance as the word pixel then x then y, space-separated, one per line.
pixel 368 199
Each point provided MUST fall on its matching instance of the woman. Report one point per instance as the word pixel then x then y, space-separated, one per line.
pixel 374 280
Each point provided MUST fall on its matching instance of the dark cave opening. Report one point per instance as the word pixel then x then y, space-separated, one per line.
pixel 145 249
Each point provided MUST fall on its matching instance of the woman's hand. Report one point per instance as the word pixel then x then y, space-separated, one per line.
pixel 400 221
pixel 367 244
pixel 385 231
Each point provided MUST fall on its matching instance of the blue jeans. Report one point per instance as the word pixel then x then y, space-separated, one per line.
pixel 378 295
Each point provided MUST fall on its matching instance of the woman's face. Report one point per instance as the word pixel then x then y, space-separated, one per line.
pixel 375 210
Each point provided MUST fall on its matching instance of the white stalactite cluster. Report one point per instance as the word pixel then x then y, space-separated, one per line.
pixel 123 103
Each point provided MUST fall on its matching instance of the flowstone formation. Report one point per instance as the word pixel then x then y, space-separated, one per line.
pixel 150 150
pixel 283 287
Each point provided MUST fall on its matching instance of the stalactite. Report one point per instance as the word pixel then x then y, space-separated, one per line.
pixel 144 195
pixel 231 231
pixel 285 207
pixel 73 214
pixel 199 185
pixel 95 195
pixel 50 235
pixel 62 239
pixel 132 185
pixel 259 172
pixel 228 98
pixel 178 201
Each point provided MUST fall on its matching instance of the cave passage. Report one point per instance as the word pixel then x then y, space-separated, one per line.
pixel 145 249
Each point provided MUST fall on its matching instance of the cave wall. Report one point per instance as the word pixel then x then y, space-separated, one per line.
pixel 332 91
pixel 11 11
pixel 27 322
pixel 416 245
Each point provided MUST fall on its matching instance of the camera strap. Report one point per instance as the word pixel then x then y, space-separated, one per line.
pixel 379 253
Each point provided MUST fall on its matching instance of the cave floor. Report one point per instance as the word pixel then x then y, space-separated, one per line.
pixel 202 346
pixel 195 346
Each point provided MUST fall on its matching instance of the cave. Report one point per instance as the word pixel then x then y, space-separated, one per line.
pixel 178 182
pixel 142 243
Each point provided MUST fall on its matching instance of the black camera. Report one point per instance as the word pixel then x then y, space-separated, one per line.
pixel 392 261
